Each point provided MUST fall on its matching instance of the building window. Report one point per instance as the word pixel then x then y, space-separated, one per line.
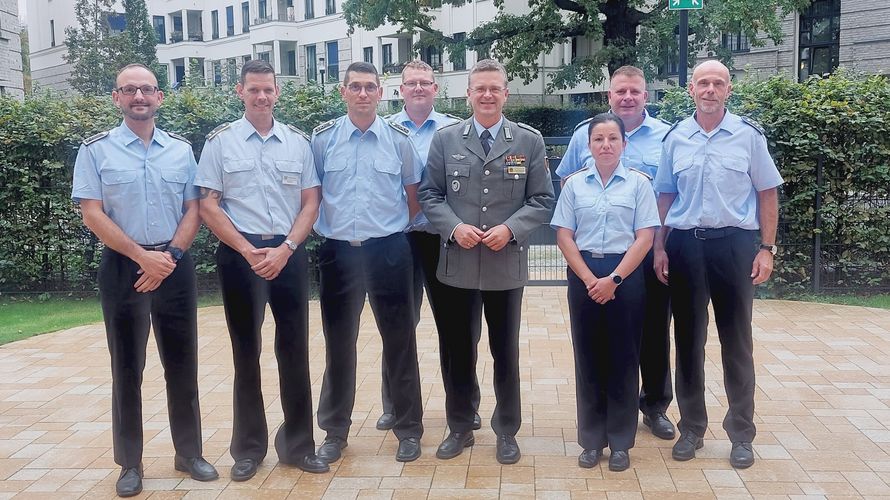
pixel 387 55
pixel 217 73
pixel 214 23
pixel 52 33
pixel 245 17
pixel 671 64
pixel 368 53
pixel 820 34
pixel 333 62
pixel 330 7
pixel 117 23
pixel 483 52
pixel 232 70
pixel 432 55
pixel 262 11
pixel 230 21
pixel 735 42
pixel 311 64
pixel 310 9
pixel 265 56
pixel 459 59
pixel 160 31
pixel 291 63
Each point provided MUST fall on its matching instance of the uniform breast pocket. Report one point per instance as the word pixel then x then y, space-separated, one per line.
pixel 238 177
pixel 587 212
pixel 290 174
pixel 174 184
pixel 391 166
pixel 687 171
pixel 514 181
pixel 621 209
pixel 457 176
pixel 122 182
pixel 734 178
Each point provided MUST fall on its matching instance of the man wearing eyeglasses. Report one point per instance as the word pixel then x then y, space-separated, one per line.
pixel 369 173
pixel 486 187
pixel 419 90
pixel 260 196
pixel 135 188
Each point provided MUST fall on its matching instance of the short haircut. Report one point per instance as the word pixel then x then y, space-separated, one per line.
pixel 418 65
pixel 131 66
pixel 361 67
pixel 256 66
pixel 629 71
pixel 488 65
pixel 604 118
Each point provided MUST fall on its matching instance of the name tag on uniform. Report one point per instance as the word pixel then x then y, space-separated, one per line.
pixel 515 164
pixel 290 180
pixel 515 170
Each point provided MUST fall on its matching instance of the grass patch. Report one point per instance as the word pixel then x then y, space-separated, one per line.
pixel 881 301
pixel 23 318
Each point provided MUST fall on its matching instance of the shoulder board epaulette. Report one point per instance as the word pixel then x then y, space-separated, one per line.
pixel 583 122
pixel 449 125
pixel 299 132
pixel 644 174
pixel 324 126
pixel 215 132
pixel 389 117
pixel 753 124
pixel 181 138
pixel 93 138
pixel 583 169
pixel 466 131
pixel 459 119
pixel 400 128
pixel 666 134
pixel 664 121
pixel 528 127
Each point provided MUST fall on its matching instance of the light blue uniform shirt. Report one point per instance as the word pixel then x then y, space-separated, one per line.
pixel 362 179
pixel 141 189
pixel 260 179
pixel 716 175
pixel 643 150
pixel 422 137
pixel 605 220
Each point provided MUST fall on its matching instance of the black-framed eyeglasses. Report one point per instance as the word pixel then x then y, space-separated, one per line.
pixel 356 88
pixel 422 84
pixel 131 89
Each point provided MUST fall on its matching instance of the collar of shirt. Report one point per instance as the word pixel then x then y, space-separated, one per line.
pixel 729 123
pixel 494 130
pixel 127 136
pixel 402 118
pixel 647 124
pixel 348 129
pixel 620 173
pixel 246 130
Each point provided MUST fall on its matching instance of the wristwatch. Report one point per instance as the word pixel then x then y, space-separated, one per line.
pixel 290 244
pixel 617 279
pixel 773 249
pixel 176 253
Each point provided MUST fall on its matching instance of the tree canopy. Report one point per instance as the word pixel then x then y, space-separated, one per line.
pixel 640 32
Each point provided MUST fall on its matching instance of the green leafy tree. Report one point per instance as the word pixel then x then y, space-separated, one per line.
pixel 520 39
pixel 94 53
pixel 142 38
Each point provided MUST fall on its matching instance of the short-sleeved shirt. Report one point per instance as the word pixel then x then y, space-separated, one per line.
pixel 643 150
pixel 261 178
pixel 716 174
pixel 605 219
pixel 421 137
pixel 142 190
pixel 362 179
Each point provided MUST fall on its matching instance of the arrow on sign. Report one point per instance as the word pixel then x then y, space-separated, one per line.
pixel 694 2
pixel 676 2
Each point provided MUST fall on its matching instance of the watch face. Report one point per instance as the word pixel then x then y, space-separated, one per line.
pixel 617 279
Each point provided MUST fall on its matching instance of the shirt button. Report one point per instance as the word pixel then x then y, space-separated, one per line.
pixel 485 190
pixel 485 209
pixel 521 248
pixel 487 172
pixel 484 226
pixel 455 173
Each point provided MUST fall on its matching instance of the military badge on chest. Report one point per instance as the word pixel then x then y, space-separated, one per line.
pixel 515 165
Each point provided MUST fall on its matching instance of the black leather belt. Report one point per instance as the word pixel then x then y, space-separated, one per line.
pixel 707 233
pixel 160 247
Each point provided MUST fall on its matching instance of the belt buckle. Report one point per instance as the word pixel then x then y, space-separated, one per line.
pixel 265 237
pixel 355 243
pixel 697 235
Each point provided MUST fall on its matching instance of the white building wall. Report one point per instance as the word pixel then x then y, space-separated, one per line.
pixel 10 50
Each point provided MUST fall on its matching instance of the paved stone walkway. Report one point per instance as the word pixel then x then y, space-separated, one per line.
pixel 823 407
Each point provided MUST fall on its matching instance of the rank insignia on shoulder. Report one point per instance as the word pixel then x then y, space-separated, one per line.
pixel 666 134
pixel 400 128
pixel 644 174
pixel 299 132
pixel 664 121
pixel 583 122
pixel 215 132
pixel 466 131
pixel 93 138
pixel 528 127
pixel 324 126
pixel 753 124
pixel 584 169
pixel 456 118
pixel 181 138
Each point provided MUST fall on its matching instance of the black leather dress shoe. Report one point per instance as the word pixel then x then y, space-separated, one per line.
pixel 311 463
pixel 619 461
pixel 197 467
pixel 684 448
pixel 589 458
pixel 477 421
pixel 660 425
pixel 409 450
pixel 329 451
pixel 130 482
pixel 742 455
pixel 386 422
pixel 507 450
pixel 244 469
pixel 454 444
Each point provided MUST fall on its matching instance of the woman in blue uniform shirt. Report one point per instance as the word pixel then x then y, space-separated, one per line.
pixel 605 220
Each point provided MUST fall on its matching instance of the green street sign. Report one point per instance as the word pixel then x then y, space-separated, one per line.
pixel 685 4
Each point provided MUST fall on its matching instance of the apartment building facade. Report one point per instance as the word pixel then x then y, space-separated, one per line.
pixel 10 50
